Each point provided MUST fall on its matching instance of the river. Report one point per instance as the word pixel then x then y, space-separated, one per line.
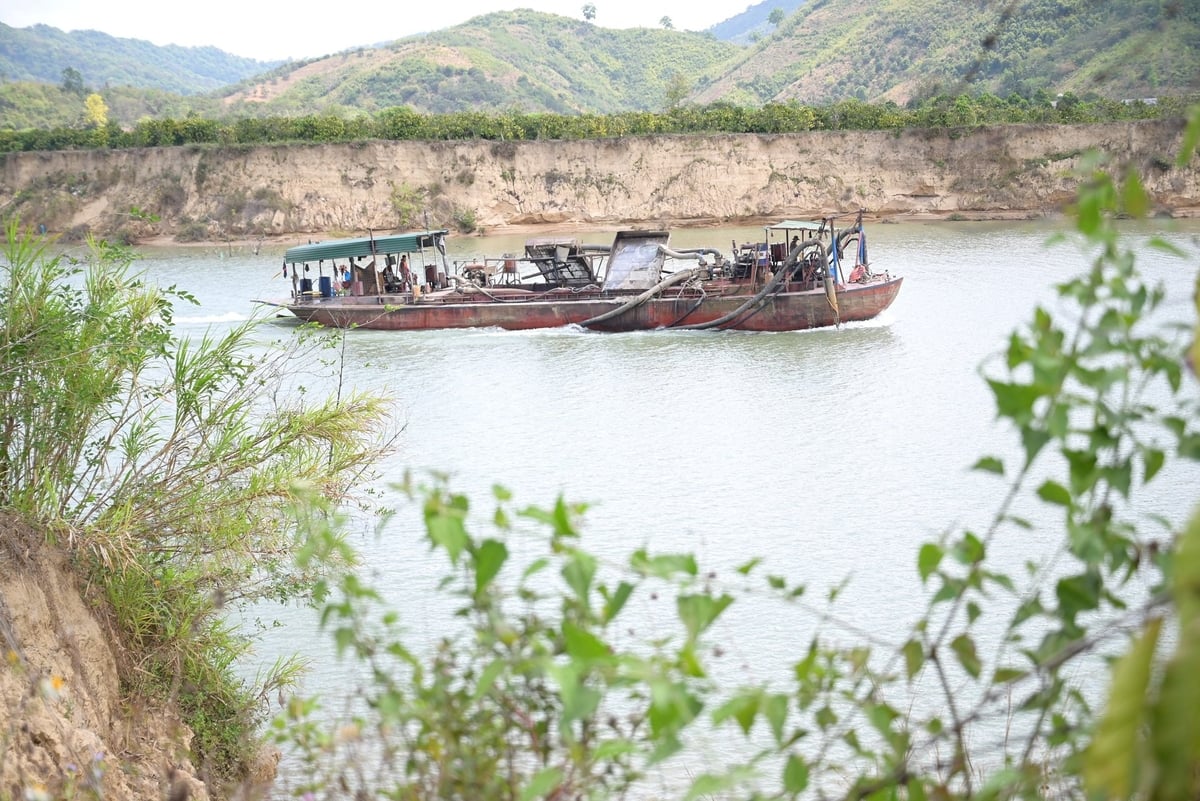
pixel 832 454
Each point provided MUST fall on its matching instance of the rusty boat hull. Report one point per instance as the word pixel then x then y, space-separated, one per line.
pixel 784 311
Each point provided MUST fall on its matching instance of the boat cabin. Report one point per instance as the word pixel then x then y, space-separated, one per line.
pixel 370 265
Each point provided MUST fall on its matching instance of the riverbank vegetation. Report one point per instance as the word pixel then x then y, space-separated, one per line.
pixel 403 124
pixel 163 466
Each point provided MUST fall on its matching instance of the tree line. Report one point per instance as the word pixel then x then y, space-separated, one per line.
pixel 404 124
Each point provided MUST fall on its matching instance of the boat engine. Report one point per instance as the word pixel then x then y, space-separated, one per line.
pixel 475 273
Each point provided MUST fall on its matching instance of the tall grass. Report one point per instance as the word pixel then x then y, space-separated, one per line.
pixel 163 466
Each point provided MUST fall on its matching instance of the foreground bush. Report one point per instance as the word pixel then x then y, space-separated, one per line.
pixel 164 468
pixel 543 693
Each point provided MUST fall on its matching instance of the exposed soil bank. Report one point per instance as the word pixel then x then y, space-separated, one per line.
pixel 227 193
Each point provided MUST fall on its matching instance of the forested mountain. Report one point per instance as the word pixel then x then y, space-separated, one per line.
pixel 822 52
pixel 41 53
pixel 523 60
pixel 901 50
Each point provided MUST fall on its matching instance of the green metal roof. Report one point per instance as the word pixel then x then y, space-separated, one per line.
pixel 410 242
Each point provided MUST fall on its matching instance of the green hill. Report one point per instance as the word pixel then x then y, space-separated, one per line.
pixel 824 52
pixel 523 60
pixel 901 50
pixel 41 53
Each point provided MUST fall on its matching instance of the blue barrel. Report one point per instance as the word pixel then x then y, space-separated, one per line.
pixel 305 286
pixel 326 284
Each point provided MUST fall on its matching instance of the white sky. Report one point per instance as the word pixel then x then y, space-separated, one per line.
pixel 277 29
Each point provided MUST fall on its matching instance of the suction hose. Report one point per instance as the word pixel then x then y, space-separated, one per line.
pixel 669 281
pixel 770 288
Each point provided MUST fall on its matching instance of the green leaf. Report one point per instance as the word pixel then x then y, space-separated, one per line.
pixel 1053 492
pixel 672 707
pixel 928 559
pixel 964 648
pixel 795 774
pixel 1185 586
pixel 1191 138
pixel 743 708
pixel 989 464
pixel 826 717
pixel 775 708
pixel 914 658
pixel 1189 444
pixel 1058 422
pixel 578 701
pixel 688 662
pixel 708 785
pixel 1175 729
pixel 500 520
pixel 536 566
pixel 1015 401
pixel 665 746
pixel 564 526
pixel 1083 469
pixel 543 782
pixel 616 602
pixel 969 550
pixel 1120 476
pixel 1033 440
pixel 1004 674
pixel 448 531
pixel 1077 594
pixel 881 717
pixel 664 566
pixel 698 612
pixel 1001 579
pixel 489 558
pixel 579 571
pixel 610 749
pixel 560 518
pixel 583 645
pixel 1154 460
pixel 487 679
pixel 344 638
pixel 748 566
pixel 973 611
pixel 1111 761
pixel 1134 198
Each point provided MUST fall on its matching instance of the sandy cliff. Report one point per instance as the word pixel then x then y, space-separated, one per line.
pixel 222 192
pixel 67 728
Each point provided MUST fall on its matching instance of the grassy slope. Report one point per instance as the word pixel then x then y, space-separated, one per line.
pixel 523 60
pixel 903 49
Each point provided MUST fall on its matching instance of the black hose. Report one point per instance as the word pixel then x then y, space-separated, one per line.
pixel 770 288
pixel 669 281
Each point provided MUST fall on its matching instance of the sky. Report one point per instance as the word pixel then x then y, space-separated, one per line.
pixel 270 30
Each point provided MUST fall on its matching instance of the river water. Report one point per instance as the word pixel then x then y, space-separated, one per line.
pixel 832 454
